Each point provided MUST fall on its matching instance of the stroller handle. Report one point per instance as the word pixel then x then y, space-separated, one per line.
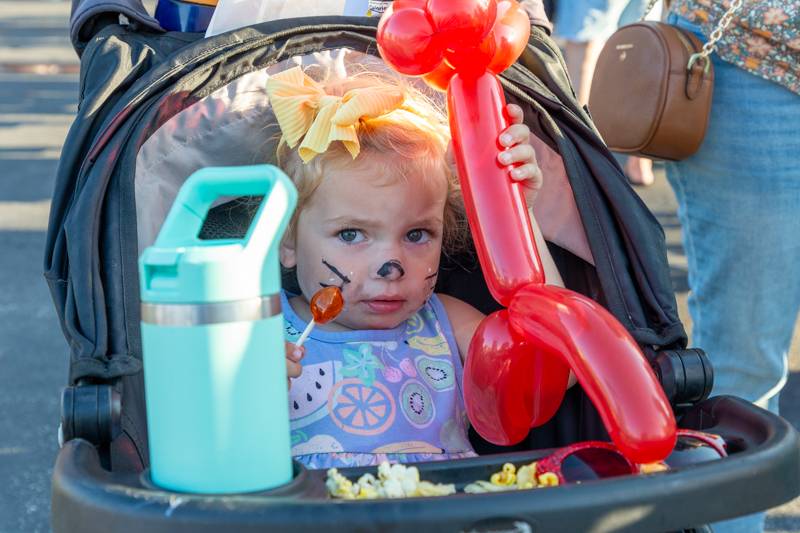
pixel 185 220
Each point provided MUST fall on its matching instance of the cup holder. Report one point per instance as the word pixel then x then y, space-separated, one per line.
pixel 303 483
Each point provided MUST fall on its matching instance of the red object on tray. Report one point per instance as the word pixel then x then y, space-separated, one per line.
pixel 519 360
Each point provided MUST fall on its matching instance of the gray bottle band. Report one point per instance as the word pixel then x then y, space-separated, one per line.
pixel 184 315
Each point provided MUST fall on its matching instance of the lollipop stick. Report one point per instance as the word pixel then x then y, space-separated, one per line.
pixel 306 331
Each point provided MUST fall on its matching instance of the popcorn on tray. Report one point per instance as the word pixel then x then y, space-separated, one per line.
pixel 509 478
pixel 400 481
pixel 394 481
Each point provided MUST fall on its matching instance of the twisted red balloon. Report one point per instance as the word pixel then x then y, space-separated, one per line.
pixel 436 38
pixel 519 359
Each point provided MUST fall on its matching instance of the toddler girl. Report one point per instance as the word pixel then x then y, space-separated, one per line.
pixel 377 202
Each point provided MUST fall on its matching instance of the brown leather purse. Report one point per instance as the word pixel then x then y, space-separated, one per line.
pixel 651 90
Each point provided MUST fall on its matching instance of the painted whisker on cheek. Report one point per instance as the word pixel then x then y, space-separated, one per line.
pixel 336 271
pixel 431 282
pixel 331 282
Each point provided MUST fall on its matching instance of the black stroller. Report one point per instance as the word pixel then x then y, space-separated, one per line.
pixel 156 106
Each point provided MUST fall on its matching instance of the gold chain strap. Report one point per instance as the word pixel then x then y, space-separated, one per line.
pixel 649 8
pixel 716 35
pixel 722 25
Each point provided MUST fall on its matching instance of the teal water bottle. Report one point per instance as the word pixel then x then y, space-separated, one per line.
pixel 212 340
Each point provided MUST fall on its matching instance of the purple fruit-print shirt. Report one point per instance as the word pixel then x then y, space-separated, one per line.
pixel 378 395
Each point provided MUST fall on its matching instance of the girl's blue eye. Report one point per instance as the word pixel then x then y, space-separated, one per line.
pixel 351 235
pixel 417 236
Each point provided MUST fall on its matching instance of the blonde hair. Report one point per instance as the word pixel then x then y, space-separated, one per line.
pixel 415 136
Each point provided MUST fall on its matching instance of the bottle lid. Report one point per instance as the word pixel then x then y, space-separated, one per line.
pixel 180 267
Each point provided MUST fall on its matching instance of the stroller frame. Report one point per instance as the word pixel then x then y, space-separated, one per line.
pixel 100 481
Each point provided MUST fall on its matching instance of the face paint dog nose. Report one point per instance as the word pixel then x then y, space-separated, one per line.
pixel 391 270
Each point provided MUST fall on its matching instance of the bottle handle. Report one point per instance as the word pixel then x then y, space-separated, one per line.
pixel 195 198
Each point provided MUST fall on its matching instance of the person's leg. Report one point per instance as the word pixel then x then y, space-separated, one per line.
pixel 583 27
pixel 739 199
pixel 639 170
pixel 581 58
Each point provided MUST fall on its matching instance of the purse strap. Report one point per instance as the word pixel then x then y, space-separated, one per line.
pixel 716 35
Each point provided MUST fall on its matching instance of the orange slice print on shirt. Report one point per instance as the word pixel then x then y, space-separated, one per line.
pixel 360 409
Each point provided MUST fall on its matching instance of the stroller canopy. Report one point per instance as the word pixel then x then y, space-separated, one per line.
pixel 124 103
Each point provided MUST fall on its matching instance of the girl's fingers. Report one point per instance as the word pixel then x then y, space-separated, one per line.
pixel 515 114
pixel 295 353
pixel 293 370
pixel 293 357
pixel 515 134
pixel 521 153
pixel 529 173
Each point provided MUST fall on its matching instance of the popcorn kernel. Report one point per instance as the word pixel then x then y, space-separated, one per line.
pixel 548 479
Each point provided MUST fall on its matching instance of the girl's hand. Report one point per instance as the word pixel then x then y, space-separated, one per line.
pixel 293 356
pixel 519 155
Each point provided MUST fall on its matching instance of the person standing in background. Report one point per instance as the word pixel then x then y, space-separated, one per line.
pixel 739 201
pixel 584 26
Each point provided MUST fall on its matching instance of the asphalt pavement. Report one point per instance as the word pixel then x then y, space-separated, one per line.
pixel 38 96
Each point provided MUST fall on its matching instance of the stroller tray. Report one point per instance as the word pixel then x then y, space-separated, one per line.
pixel 762 470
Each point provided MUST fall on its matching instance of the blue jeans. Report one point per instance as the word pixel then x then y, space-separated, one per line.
pixel 587 20
pixel 739 206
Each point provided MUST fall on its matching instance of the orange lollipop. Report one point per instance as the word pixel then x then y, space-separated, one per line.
pixel 325 305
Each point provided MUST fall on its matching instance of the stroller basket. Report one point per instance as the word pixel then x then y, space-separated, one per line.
pixel 147 95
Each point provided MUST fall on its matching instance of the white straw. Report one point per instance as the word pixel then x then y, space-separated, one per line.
pixel 306 331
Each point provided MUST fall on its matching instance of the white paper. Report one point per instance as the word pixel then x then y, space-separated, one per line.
pixel 232 14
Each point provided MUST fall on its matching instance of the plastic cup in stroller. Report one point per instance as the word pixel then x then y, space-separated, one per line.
pixel 588 460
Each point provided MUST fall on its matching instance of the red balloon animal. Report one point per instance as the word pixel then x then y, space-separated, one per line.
pixel 519 359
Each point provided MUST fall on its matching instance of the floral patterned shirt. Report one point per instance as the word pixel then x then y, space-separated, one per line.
pixel 378 395
pixel 764 37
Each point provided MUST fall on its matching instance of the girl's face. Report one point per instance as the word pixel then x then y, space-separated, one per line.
pixel 376 235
